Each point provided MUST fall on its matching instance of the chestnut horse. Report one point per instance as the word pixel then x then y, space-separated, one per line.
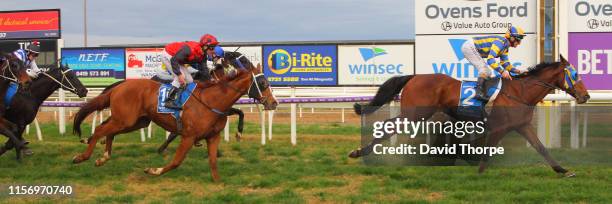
pixel 11 71
pixel 512 110
pixel 134 103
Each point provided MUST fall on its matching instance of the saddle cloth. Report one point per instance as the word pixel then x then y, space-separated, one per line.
pixel 468 104
pixel 182 99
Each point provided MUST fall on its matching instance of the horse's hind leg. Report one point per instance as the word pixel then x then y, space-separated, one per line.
pixel 112 127
pixel 186 144
pixel 142 122
pixel 164 146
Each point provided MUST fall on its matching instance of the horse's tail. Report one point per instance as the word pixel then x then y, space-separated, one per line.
pixel 96 104
pixel 385 94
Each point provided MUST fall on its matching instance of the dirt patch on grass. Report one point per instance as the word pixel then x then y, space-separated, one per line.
pixel 312 195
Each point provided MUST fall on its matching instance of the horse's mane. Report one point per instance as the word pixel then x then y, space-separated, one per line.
pixel 228 77
pixel 534 70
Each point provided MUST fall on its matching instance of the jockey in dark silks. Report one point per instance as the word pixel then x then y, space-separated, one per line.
pixel 177 55
pixel 483 51
pixel 28 57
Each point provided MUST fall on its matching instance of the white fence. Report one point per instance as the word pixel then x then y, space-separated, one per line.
pixel 338 92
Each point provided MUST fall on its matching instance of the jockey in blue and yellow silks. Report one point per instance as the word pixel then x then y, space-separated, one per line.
pixel 483 52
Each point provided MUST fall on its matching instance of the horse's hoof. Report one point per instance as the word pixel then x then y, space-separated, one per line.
pixel 238 136
pixel 153 171
pixel 83 140
pixel 355 154
pixel 77 159
pixel 27 152
pixel 100 162
pixel 569 174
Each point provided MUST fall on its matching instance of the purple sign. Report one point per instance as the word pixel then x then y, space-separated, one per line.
pixel 591 54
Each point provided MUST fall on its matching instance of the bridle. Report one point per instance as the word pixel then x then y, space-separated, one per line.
pixel 237 90
pixel 70 88
pixel 7 65
pixel 570 78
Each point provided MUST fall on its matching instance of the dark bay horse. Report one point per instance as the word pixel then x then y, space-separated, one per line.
pixel 11 71
pixel 438 92
pixel 134 103
pixel 24 106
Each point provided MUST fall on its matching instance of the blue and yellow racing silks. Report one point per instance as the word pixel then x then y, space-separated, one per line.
pixel 492 47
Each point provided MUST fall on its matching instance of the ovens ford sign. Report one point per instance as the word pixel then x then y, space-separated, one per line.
pixel 447 58
pixel 455 17
pixel 590 16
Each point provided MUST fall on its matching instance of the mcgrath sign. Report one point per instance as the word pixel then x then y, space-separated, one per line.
pixel 448 58
pixel 96 67
pixel 142 63
pixel 30 24
pixel 590 16
pixel 373 65
pixel 301 65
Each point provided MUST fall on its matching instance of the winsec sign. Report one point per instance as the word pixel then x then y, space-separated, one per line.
pixel 589 44
pixel 448 58
pixel 142 63
pixel 301 65
pixel 373 65
pixel 442 26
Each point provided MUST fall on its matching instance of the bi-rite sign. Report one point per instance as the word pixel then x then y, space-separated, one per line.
pixel 442 26
pixel 36 24
pixel 301 65
pixel 590 41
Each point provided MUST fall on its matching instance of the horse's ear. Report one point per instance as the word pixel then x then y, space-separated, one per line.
pixel 563 60
pixel 259 67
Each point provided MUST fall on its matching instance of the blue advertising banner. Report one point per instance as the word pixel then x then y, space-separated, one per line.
pixel 301 65
pixel 96 67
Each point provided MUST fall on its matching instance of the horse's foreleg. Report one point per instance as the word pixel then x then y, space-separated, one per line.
pixel 186 144
pixel 213 145
pixel 528 133
pixel 240 123
pixel 164 146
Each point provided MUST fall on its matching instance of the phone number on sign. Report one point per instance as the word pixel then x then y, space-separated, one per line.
pixel 44 190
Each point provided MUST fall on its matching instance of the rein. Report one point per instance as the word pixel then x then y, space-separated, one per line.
pixel 7 64
pixel 538 82
pixel 71 88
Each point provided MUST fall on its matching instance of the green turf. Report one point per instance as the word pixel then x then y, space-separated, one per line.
pixel 316 170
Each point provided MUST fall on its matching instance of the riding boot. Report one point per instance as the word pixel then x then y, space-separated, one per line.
pixel 172 98
pixel 481 93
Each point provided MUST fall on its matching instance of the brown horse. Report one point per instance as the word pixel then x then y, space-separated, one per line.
pixel 11 71
pixel 512 109
pixel 134 103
